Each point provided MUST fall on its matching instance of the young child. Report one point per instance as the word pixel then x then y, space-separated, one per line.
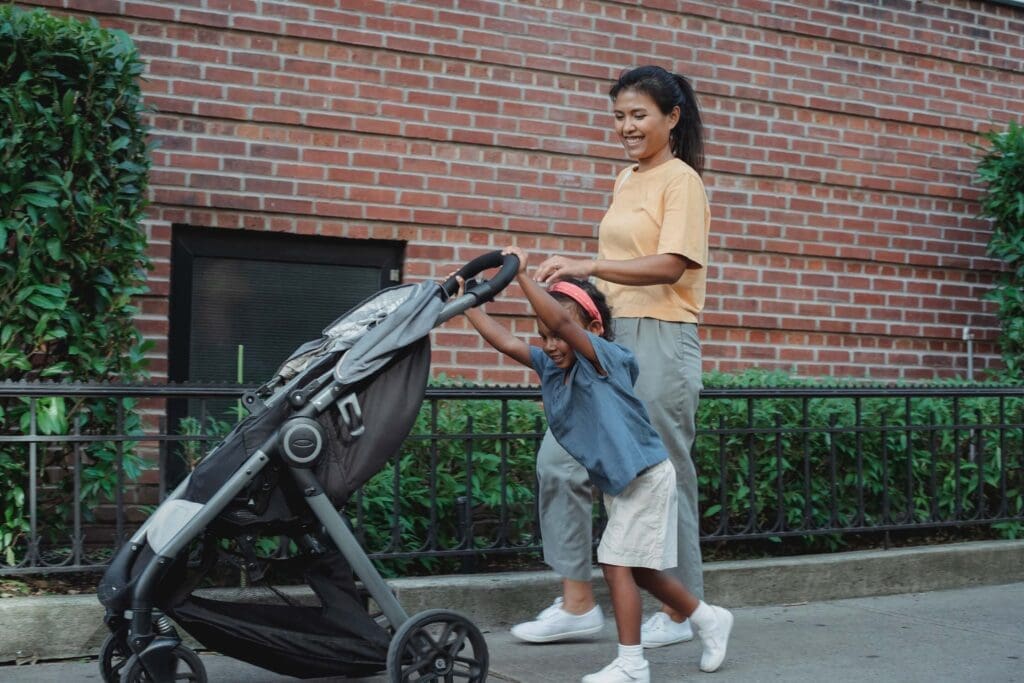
pixel 587 387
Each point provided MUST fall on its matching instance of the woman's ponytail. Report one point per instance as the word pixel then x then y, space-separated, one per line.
pixel 688 135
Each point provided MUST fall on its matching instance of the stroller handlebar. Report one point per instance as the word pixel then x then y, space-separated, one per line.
pixel 482 291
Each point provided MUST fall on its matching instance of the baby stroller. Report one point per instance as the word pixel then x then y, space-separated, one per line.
pixel 336 411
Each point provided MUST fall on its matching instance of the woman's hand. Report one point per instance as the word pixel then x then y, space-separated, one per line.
pixel 558 268
pixel 516 251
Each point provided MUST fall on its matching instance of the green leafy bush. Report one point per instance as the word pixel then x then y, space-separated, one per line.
pixel 893 460
pixel 774 466
pixel 1001 170
pixel 451 455
pixel 73 178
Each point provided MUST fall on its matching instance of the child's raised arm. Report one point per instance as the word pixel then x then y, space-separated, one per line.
pixel 496 335
pixel 557 319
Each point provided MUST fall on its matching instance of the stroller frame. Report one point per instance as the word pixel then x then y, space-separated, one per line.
pixel 151 647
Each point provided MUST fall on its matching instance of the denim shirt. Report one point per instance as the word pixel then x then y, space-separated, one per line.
pixel 598 419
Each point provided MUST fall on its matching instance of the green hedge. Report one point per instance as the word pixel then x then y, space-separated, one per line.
pixel 466 441
pixel 74 164
pixel 758 470
pixel 1001 170
pixel 937 458
pixel 811 463
pixel 73 179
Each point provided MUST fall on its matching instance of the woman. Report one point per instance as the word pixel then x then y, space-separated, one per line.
pixel 651 265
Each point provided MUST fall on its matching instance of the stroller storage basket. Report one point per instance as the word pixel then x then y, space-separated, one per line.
pixel 337 638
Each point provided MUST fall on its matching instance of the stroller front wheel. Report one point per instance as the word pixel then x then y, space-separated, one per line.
pixel 114 654
pixel 437 645
pixel 187 667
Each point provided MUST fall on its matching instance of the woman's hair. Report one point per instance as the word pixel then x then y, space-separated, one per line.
pixel 670 90
pixel 597 297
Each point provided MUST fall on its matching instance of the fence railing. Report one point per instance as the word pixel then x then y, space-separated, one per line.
pixel 82 465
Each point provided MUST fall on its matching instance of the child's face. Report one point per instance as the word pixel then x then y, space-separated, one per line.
pixel 558 350
pixel 560 353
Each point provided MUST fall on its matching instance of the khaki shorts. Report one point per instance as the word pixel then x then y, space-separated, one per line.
pixel 641 530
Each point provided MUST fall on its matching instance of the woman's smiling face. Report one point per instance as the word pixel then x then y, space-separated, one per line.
pixel 643 128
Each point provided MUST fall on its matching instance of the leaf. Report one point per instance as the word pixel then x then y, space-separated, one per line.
pixel 44 302
pixel 77 144
pixel 41 200
pixel 51 291
pixel 43 186
pixel 68 103
pixel 712 510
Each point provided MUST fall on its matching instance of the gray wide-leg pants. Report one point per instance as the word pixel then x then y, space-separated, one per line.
pixel 669 383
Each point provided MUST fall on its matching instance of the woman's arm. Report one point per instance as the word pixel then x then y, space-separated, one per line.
pixel 658 269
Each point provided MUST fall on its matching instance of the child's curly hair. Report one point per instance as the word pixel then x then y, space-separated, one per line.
pixel 599 300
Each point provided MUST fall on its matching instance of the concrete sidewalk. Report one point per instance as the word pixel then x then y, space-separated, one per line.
pixel 949 613
pixel 971 634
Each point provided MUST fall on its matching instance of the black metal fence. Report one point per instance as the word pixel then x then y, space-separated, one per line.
pixel 82 465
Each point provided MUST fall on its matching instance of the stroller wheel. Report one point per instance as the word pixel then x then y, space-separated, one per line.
pixel 114 654
pixel 187 667
pixel 437 645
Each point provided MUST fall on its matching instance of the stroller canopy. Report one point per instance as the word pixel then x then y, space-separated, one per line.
pixel 393 325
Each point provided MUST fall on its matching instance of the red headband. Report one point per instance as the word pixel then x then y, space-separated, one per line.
pixel 577 294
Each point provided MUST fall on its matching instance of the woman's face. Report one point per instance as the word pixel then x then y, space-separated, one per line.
pixel 643 129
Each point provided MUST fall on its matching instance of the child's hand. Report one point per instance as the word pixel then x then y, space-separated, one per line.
pixel 462 283
pixel 516 251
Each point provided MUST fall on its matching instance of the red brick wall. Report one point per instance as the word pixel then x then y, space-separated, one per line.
pixel 840 151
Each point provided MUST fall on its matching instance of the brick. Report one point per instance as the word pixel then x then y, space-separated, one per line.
pixel 837 180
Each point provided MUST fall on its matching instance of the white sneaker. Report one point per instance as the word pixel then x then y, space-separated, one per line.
pixel 715 639
pixel 554 623
pixel 660 630
pixel 619 672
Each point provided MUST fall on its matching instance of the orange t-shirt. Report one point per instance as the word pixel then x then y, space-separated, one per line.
pixel 663 210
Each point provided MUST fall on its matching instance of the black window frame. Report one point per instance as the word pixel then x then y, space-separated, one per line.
pixel 189 242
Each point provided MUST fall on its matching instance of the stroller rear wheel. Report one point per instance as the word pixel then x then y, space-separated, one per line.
pixel 437 645
pixel 114 654
pixel 187 667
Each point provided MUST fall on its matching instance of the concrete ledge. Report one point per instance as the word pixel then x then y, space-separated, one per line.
pixel 63 627
pixel 813 578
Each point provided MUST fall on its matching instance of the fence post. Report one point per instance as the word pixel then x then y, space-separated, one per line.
pixel 464 519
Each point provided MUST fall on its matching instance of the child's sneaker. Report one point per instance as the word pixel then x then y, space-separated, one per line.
pixel 554 623
pixel 660 630
pixel 620 672
pixel 715 638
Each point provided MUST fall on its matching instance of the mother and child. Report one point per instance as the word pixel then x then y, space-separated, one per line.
pixel 621 416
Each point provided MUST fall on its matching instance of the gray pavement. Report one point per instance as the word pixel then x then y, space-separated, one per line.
pixel 967 634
